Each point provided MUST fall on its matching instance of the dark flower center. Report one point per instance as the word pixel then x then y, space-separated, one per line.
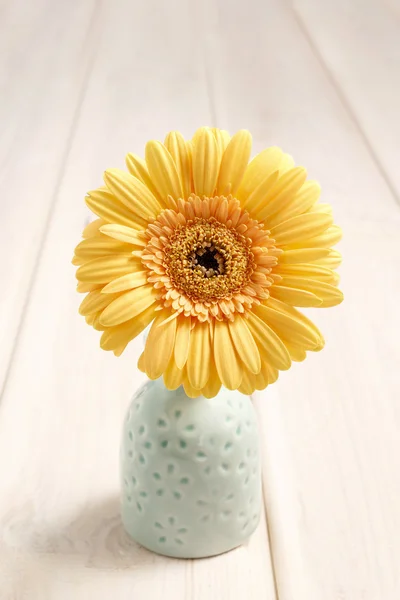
pixel 207 259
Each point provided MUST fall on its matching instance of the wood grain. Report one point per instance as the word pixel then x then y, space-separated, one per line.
pixel 272 82
pixel 340 435
pixel 365 67
pixel 61 530
pixel 331 425
pixel 340 442
pixel 84 83
pixel 46 52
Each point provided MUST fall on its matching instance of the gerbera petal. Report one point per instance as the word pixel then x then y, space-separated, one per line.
pixel 141 365
pixel 322 207
pixel 332 260
pixel 178 149
pixel 261 380
pixel 90 318
pixel 118 351
pixel 94 302
pixel 114 337
pixel 173 377
pixel 286 163
pixel 226 360
pixel 189 146
pixel 198 362
pixel 124 234
pixel 163 171
pixel 248 383
pixel 128 305
pixel 261 167
pixel 205 162
pixel 189 389
pixel 281 194
pixel 296 353
pixel 266 376
pixel 289 328
pixel 245 345
pixel 271 347
pixel 234 162
pixel 304 255
pixel 83 287
pixel 329 294
pixel 280 306
pixel 92 228
pixel 97 246
pixel 126 282
pixel 137 167
pixel 222 138
pixel 213 385
pixel 257 197
pixel 77 262
pixel 132 193
pixel 328 238
pixel 159 344
pixel 294 297
pixel 95 321
pixel 273 374
pixel 104 204
pixel 184 325
pixel 106 268
pixel 310 271
pixel 303 200
pixel 300 228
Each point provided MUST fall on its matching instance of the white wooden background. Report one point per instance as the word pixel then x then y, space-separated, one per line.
pixel 84 81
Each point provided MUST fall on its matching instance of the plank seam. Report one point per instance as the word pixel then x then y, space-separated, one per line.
pixel 345 103
pixel 267 525
pixel 53 202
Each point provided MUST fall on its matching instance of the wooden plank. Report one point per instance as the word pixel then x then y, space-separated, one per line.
pixel 365 67
pixel 330 430
pixel 267 79
pixel 331 440
pixel 61 420
pixel 87 554
pixel 243 573
pixel 45 60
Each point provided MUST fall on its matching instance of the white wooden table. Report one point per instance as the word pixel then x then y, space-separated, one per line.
pixel 82 83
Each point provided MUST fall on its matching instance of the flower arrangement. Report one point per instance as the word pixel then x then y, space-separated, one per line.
pixel 216 252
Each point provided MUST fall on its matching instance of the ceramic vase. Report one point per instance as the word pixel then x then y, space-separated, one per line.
pixel 190 470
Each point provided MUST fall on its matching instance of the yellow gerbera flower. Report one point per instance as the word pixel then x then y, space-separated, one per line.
pixel 216 252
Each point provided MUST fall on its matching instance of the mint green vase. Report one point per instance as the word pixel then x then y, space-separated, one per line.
pixel 191 483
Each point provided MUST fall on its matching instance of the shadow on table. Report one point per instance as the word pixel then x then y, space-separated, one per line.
pixel 96 536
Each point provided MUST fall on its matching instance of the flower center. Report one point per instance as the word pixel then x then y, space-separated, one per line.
pixel 207 258
pixel 207 261
pixel 210 262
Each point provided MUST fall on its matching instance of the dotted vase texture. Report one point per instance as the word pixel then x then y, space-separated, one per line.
pixel 191 481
